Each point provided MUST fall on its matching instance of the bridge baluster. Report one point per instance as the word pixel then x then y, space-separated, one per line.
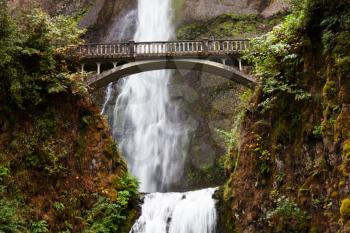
pixel 173 47
pixel 138 49
pixel 225 46
pixel 167 48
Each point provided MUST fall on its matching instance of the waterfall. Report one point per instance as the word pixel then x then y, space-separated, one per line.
pixel 147 125
pixel 191 212
pixel 152 136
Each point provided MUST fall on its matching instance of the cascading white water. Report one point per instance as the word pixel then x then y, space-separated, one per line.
pixel 191 212
pixel 147 120
pixel 152 137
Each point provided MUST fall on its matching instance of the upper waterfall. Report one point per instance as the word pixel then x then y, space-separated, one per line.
pixel 146 120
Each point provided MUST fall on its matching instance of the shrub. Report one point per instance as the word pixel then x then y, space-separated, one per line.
pixel 286 217
pixel 10 220
pixel 105 217
pixel 31 52
pixel 39 227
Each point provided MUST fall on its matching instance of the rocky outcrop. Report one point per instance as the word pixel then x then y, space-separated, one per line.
pixel 99 17
pixel 205 9
pixel 56 7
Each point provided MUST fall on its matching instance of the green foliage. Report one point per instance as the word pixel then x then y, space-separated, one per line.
pixel 4 172
pixel 59 206
pixel 46 127
pixel 286 217
pixel 231 138
pixel 30 50
pixel 317 132
pixel 10 220
pixel 39 227
pixel 36 151
pixel 105 217
pixel 262 155
pixel 109 216
pixel 129 184
pixel 278 62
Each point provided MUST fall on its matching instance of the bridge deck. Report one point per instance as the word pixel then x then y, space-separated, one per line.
pixel 147 50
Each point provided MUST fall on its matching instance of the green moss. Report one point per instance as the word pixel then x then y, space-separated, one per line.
pixel 178 8
pixel 341 184
pixel 227 26
pixel 330 89
pixel 346 149
pixel 345 208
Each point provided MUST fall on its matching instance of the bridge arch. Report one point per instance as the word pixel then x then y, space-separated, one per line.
pixel 228 72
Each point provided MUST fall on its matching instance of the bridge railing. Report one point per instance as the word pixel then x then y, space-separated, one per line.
pixel 162 48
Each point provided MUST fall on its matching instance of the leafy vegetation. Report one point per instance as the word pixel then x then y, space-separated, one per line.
pixel 109 216
pixel 57 158
pixel 296 134
pixel 286 217
pixel 10 220
pixel 31 48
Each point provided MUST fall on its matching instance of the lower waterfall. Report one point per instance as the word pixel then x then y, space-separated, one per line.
pixel 189 212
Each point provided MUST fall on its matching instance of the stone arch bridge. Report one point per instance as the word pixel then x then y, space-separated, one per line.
pixel 114 61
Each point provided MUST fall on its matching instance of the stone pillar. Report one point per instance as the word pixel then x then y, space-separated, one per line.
pixel 240 64
pixel 98 67
pixel 223 61
pixel 205 42
pixel 131 48
pixel 115 64
pixel 82 66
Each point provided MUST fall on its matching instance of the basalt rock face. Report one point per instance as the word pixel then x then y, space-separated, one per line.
pixel 205 9
pixel 98 17
pixel 102 18
pixel 56 7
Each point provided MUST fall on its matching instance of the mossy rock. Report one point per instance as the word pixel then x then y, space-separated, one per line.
pixel 345 208
pixel 330 89
pixel 346 149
